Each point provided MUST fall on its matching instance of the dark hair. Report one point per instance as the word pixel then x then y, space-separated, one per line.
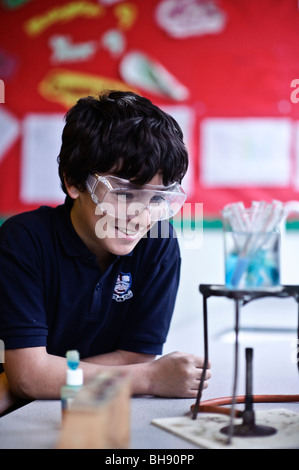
pixel 122 133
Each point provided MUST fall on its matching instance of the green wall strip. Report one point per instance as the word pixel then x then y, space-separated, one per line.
pixel 208 224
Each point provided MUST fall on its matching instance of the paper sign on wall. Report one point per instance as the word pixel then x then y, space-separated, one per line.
pixel 246 152
pixel 185 118
pixel 39 170
pixel 9 126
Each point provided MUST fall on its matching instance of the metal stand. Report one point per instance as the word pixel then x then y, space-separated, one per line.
pixel 248 428
pixel 239 296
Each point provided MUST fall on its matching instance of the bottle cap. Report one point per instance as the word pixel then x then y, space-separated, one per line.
pixel 73 359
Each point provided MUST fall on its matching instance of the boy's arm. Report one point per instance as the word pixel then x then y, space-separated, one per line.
pixel 33 373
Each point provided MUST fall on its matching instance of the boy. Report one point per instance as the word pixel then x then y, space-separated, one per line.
pixel 98 274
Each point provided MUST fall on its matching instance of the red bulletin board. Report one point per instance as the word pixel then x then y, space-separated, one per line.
pixel 226 70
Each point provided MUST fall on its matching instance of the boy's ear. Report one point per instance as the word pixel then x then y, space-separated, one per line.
pixel 73 192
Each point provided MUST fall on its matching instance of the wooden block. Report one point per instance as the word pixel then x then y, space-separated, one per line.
pixel 7 399
pixel 99 417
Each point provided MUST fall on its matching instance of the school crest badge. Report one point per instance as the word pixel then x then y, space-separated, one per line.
pixel 122 289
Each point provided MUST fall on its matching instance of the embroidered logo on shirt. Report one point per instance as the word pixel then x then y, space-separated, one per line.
pixel 122 290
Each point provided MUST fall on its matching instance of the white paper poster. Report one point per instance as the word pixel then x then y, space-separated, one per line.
pixel 40 182
pixel 246 152
pixel 296 174
pixel 186 119
pixel 9 131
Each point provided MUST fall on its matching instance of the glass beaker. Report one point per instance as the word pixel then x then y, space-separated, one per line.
pixel 252 260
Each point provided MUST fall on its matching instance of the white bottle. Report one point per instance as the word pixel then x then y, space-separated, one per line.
pixel 74 379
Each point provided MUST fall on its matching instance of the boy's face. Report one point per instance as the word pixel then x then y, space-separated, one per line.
pixel 104 234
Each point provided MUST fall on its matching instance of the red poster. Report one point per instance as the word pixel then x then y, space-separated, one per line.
pixel 228 71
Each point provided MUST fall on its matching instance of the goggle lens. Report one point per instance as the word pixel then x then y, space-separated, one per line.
pixel 120 198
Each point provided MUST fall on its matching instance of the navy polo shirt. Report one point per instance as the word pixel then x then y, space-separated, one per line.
pixel 53 293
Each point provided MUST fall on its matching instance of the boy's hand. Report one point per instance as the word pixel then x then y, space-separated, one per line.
pixel 176 375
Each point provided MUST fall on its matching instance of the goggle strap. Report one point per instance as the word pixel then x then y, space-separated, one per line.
pixel 104 180
pixel 91 186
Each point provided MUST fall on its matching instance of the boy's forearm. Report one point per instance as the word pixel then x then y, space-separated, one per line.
pixel 119 358
pixel 35 374
pixel 133 364
pixel 41 376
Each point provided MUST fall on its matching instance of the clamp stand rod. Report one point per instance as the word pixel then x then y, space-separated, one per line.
pixel 248 428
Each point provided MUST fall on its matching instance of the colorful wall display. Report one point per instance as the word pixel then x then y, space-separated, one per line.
pixel 227 71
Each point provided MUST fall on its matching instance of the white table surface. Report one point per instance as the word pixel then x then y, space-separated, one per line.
pixel 38 424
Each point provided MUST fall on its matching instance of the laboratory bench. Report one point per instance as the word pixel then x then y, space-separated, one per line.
pixel 37 425
pixel 269 326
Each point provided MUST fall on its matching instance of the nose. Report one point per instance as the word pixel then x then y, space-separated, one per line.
pixel 141 217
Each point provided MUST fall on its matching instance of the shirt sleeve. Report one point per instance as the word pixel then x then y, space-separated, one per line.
pixel 22 312
pixel 148 323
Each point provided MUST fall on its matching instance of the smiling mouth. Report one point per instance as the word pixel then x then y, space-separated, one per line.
pixel 126 232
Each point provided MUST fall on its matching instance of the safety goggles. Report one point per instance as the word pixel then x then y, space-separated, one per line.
pixel 122 199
